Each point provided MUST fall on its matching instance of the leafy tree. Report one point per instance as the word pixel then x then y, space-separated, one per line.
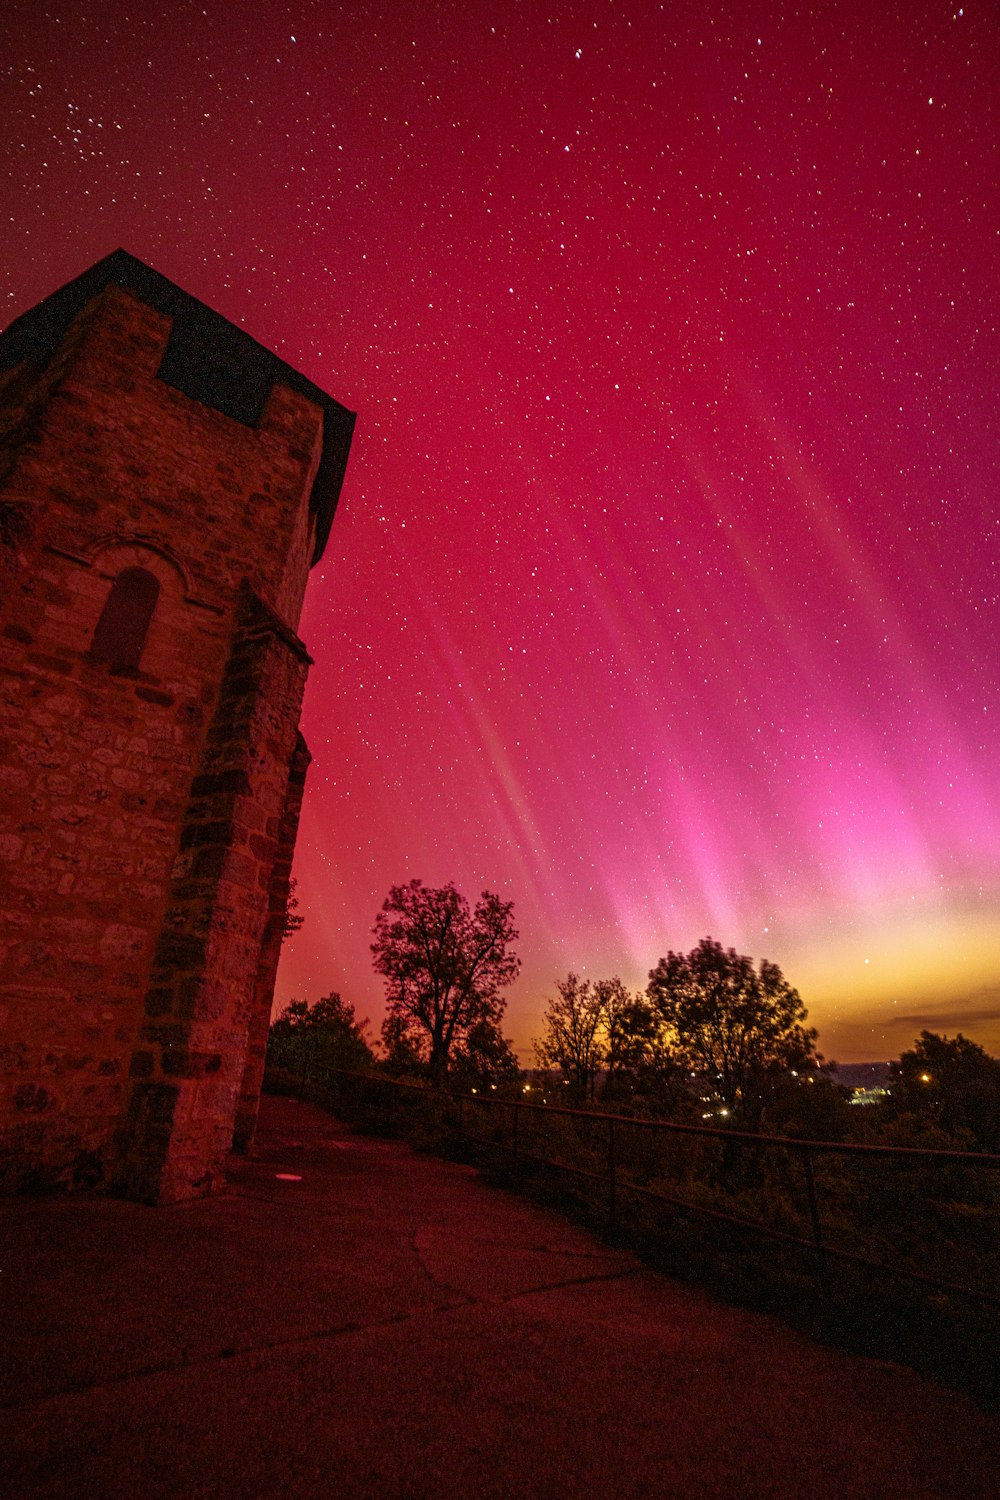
pixel 952 1082
pixel 484 1057
pixel 739 1026
pixel 811 1106
pixel 642 1059
pixel 445 967
pixel 293 917
pixel 403 1056
pixel 574 1038
pixel 598 1024
pixel 326 1034
pixel 621 1023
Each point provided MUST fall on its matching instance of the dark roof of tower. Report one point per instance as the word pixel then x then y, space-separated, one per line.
pixel 207 357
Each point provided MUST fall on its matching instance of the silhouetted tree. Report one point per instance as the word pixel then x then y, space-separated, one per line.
pixel 482 1058
pixel 445 967
pixel 638 1057
pixel 953 1082
pixel 738 1025
pixel 403 1056
pixel 326 1034
pixel 574 1039
pixel 293 917
pixel 810 1105
pixel 618 1026
pixel 642 1059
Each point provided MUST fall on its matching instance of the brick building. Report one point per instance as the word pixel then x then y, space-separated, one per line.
pixel 165 486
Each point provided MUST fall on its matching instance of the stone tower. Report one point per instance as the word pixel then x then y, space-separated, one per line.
pixel 165 486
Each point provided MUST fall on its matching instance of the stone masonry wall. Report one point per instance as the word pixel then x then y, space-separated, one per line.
pixel 109 781
pixel 187 1069
pixel 94 768
pixel 270 952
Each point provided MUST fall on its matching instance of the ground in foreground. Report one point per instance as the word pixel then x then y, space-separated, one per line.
pixel 355 1319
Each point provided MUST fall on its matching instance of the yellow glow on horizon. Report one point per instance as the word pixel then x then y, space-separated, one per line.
pixel 871 981
pixel 871 990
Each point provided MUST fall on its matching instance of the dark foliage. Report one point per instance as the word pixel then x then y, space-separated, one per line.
pixel 484 1058
pixel 573 1040
pixel 325 1035
pixel 402 1054
pixel 809 1105
pixel 740 1027
pixel 445 967
pixel 950 1083
pixel 293 917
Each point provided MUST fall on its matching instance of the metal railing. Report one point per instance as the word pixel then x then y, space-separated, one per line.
pixel 722 1172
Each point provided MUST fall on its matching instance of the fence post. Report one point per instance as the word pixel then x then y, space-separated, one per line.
pixel 517 1116
pixel 461 1114
pixel 612 1178
pixel 813 1208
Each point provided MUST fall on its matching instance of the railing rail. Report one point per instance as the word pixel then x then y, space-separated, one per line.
pixel 515 1124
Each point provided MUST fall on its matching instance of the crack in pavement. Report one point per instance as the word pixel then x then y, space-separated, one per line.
pixel 432 1279
pixel 77 1388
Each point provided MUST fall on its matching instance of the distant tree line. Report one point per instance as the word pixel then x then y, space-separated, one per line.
pixel 707 1019
pixel 713 1036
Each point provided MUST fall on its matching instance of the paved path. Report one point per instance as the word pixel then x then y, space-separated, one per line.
pixel 387 1326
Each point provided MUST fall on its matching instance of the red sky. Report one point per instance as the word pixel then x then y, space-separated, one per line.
pixel 662 597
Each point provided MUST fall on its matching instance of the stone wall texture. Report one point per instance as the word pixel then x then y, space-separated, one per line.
pixel 148 811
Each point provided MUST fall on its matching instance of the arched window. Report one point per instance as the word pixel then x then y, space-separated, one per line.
pixel 128 609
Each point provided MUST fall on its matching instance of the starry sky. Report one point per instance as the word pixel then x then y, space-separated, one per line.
pixel 662 596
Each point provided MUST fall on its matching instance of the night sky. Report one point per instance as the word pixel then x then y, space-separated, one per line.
pixel 662 596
